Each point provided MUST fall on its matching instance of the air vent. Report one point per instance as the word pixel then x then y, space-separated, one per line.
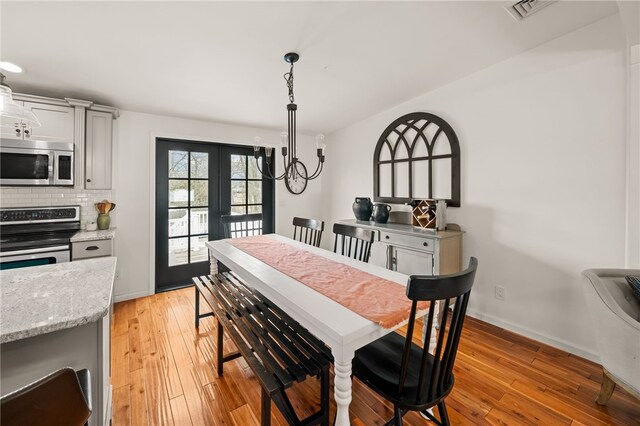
pixel 526 8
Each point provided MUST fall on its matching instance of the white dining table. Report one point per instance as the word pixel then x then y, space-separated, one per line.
pixel 343 330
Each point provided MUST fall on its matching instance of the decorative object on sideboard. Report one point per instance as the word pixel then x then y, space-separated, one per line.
pixel 18 116
pixel 104 208
pixel 294 173
pixel 362 208
pixel 381 212
pixel 429 214
pixel 417 156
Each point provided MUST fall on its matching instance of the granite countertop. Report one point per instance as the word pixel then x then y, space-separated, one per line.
pixel 106 234
pixel 401 228
pixel 42 299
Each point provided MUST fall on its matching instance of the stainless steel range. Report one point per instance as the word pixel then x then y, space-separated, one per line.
pixel 37 235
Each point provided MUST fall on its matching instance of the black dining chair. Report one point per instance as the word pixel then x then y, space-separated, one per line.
pixel 61 398
pixel 308 231
pixel 353 242
pixel 241 225
pixel 406 374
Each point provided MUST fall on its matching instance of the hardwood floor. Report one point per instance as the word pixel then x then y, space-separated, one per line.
pixel 163 373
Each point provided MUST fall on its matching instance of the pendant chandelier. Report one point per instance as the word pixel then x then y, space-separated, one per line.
pixel 13 113
pixel 294 171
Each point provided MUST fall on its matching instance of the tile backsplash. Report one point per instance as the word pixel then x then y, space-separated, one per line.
pixel 57 196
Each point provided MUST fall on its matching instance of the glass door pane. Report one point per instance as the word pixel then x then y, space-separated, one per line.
pixel 186 197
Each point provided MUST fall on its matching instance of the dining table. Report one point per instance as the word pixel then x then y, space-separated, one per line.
pixel 341 329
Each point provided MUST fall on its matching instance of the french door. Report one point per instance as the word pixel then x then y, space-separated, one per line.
pixel 196 183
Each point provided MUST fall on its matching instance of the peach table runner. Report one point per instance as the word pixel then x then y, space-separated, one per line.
pixel 379 300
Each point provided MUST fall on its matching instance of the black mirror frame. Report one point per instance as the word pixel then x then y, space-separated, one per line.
pixel 409 121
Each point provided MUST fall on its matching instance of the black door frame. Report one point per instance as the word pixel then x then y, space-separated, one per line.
pixel 217 204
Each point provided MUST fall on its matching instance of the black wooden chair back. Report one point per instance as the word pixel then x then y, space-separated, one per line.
pixel 414 377
pixel 241 225
pixel 436 370
pixel 308 231
pixel 353 242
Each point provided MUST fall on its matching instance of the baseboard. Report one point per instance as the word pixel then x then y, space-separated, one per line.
pixel 551 341
pixel 129 296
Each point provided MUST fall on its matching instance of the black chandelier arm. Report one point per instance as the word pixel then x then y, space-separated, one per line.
pixel 318 170
pixel 270 174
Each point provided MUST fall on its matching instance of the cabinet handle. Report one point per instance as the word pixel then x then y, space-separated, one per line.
pixel 26 132
pixel 88 180
pixel 91 248
pixel 425 244
pixel 17 132
pixel 386 236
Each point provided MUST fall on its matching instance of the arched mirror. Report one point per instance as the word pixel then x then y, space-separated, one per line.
pixel 417 157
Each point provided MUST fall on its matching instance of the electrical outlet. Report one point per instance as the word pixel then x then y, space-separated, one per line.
pixel 500 292
pixel 117 275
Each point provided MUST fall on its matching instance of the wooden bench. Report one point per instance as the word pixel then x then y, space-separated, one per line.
pixel 278 350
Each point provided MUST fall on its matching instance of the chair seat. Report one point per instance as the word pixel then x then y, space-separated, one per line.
pixel 378 365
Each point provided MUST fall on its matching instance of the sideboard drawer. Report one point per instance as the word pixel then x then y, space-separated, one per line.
pixel 87 249
pixel 401 240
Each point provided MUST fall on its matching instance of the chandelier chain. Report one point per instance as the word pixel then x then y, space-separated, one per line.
pixel 288 77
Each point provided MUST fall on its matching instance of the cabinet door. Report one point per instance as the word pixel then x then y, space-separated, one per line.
pixel 57 123
pixel 413 262
pixel 10 128
pixel 98 143
pixel 378 255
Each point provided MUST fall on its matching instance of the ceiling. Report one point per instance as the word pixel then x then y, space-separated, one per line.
pixel 223 61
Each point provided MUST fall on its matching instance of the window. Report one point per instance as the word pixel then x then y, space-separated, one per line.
pixel 246 185
pixel 188 207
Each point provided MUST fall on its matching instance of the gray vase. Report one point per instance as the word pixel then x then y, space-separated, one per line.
pixel 381 213
pixel 362 208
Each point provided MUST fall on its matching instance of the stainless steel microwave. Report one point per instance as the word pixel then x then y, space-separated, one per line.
pixel 35 163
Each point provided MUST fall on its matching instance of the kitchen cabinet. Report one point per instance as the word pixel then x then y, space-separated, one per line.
pixel 92 244
pixel 91 249
pixel 58 124
pixel 98 146
pixel 87 125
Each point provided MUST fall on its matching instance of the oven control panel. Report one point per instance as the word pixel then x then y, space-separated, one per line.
pixel 39 214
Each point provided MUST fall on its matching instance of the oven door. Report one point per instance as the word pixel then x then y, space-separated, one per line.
pixel 34 257
pixel 19 166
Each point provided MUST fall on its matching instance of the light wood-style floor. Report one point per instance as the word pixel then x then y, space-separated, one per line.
pixel 163 373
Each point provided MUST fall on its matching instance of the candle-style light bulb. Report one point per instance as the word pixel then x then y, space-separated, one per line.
pixel 320 146
pixel 284 142
pixel 256 146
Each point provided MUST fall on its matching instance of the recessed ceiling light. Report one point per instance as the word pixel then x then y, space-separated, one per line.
pixel 10 67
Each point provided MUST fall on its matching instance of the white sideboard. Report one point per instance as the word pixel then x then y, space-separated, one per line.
pixel 412 250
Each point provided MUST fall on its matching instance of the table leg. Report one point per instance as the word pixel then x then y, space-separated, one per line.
pixel 342 387
pixel 213 265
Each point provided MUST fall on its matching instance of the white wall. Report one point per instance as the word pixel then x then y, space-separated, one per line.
pixel 134 160
pixel 542 137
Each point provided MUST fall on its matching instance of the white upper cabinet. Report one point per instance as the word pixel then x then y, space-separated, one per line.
pixel 57 123
pixel 87 125
pixel 98 143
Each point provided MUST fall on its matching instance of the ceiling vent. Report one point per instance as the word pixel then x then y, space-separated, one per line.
pixel 526 8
